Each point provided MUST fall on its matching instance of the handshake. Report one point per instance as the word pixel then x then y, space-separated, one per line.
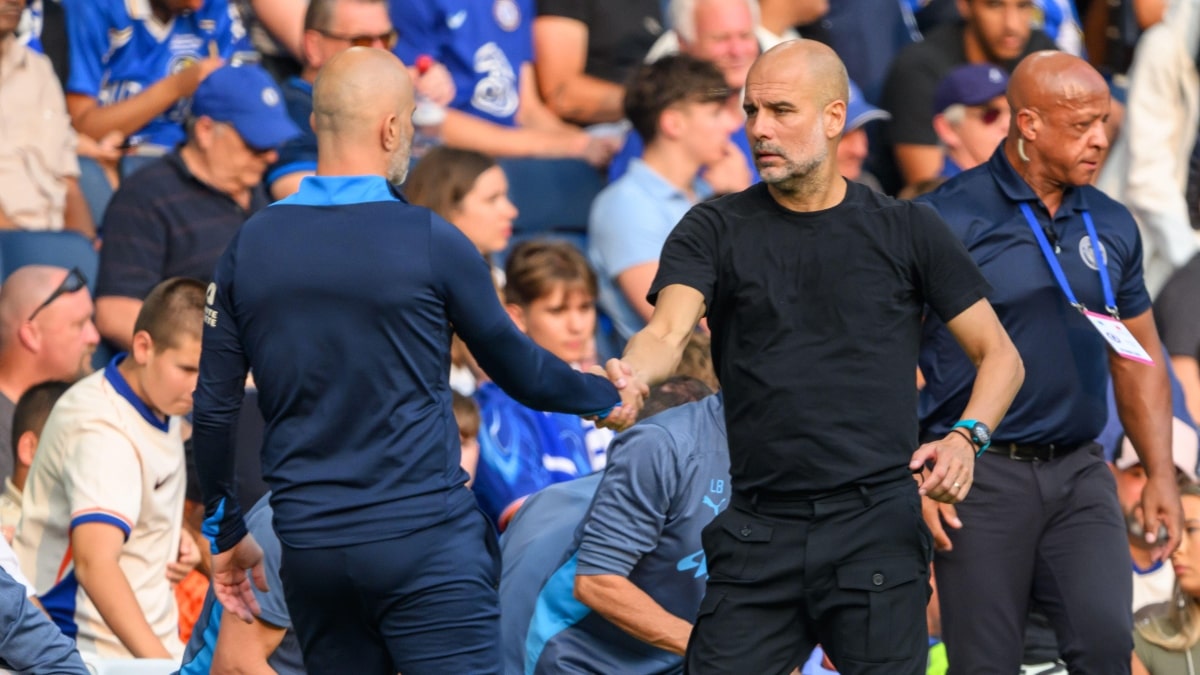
pixel 633 394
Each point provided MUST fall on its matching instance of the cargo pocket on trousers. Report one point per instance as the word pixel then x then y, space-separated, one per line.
pixel 882 608
pixel 736 549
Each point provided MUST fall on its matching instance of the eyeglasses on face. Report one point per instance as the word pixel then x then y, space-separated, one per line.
pixel 387 40
pixel 75 281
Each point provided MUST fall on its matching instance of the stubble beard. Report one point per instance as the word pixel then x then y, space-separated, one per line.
pixel 398 164
pixel 793 175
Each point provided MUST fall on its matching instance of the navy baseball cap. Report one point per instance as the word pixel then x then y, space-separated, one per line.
pixel 970 85
pixel 859 112
pixel 246 98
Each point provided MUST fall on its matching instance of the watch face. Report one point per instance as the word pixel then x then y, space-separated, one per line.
pixel 981 433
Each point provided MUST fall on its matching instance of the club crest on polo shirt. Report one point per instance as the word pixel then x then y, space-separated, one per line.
pixel 1088 255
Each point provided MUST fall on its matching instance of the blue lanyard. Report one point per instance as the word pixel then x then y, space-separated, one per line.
pixel 1110 302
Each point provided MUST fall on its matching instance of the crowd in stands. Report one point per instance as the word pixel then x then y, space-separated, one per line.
pixel 155 128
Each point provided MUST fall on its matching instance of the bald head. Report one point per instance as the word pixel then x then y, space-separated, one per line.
pixel 1049 79
pixel 812 65
pixel 1057 137
pixel 21 294
pixel 358 87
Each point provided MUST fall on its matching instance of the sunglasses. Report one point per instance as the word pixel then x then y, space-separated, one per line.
pixel 388 39
pixel 75 281
pixel 989 115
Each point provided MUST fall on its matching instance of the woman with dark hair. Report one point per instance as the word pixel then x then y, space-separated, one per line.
pixel 468 189
pixel 1170 643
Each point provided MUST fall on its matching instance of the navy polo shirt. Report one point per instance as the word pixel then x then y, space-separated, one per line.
pixel 1066 359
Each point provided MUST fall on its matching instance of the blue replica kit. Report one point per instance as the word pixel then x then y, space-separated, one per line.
pixel 119 49
pixel 482 42
pixel 667 478
pixel 342 299
pixel 522 450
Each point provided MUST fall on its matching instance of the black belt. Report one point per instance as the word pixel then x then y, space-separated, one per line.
pixel 1033 453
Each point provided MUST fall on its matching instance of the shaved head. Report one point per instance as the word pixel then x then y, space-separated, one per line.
pixel 795 103
pixel 818 68
pixel 21 294
pixel 362 114
pixel 1057 137
pixel 1048 79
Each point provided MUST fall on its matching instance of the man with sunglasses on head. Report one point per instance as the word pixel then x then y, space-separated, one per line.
pixel 46 333
pixel 183 209
pixel 332 27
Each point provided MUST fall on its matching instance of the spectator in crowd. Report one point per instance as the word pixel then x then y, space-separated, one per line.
pixel 28 419
pixel 769 268
pixel 677 105
pixel 29 642
pixel 388 564
pixel 466 416
pixel 585 50
pixel 134 65
pixel 331 27
pixel 46 333
pixel 1047 526
pixel 43 28
pixel 222 643
pixel 1059 20
pixel 992 31
pixel 102 510
pixel 971 116
pixel 468 189
pixel 1152 166
pixel 183 210
pixel 1179 325
pixel 38 166
pixel 488 47
pixel 1153 580
pixel 1170 643
pixel 550 294
pixel 545 628
pixel 852 151
pixel 722 32
pixel 780 18
pixel 284 22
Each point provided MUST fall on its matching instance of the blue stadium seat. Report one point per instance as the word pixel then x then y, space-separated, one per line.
pixel 552 195
pixel 61 249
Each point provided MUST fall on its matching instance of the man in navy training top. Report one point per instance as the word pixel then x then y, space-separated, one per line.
pixel 342 299
pixel 818 287
pixel 1046 525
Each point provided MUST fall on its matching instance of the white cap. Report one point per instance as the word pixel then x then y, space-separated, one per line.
pixel 1185 449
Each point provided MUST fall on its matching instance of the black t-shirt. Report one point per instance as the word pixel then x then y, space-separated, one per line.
pixel 816 321
pixel 916 72
pixel 1176 311
pixel 620 32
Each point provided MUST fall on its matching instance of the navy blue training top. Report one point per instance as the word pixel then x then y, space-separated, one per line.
pixel 1066 359
pixel 341 299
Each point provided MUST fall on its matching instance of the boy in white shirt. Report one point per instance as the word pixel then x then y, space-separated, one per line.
pixel 102 508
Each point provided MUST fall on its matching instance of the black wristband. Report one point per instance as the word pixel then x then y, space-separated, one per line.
pixel 964 434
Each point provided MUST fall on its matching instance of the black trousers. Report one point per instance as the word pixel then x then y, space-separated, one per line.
pixel 422 604
pixel 1047 531
pixel 850 572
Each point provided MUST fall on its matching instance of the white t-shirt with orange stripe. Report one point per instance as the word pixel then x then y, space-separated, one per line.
pixel 104 457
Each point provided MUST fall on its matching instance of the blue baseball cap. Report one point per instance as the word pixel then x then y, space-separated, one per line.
pixel 246 98
pixel 970 85
pixel 859 112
